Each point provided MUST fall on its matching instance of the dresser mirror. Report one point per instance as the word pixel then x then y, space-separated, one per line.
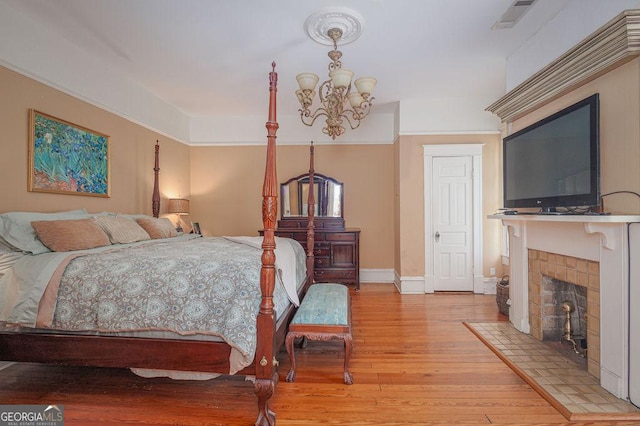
pixel 328 194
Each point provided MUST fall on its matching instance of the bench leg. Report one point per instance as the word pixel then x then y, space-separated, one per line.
pixel 291 375
pixel 348 345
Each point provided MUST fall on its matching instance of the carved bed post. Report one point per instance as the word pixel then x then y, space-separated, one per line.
pixel 310 213
pixel 155 200
pixel 265 358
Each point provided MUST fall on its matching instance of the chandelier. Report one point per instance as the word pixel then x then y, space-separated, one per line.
pixel 336 94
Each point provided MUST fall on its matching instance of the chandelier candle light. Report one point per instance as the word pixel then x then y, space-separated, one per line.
pixel 334 94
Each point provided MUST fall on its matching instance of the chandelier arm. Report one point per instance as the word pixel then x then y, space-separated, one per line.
pixel 306 115
pixel 353 119
pixel 356 115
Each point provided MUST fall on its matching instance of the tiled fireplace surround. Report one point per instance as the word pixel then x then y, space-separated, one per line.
pixel 580 272
pixel 586 250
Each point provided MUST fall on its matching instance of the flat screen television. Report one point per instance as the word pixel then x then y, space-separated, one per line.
pixel 554 164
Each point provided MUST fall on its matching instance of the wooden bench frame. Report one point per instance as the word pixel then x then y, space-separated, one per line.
pixel 322 332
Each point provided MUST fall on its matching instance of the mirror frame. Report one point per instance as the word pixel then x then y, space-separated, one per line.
pixel 320 181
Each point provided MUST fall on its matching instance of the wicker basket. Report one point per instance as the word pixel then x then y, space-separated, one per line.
pixel 502 295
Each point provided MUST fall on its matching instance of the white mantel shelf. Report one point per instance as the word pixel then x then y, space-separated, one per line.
pixel 605 225
pixel 596 218
pixel 610 240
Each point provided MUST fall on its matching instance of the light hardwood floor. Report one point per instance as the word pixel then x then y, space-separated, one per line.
pixel 414 362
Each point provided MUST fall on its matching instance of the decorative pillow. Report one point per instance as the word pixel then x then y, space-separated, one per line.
pixel 69 235
pixel 158 228
pixel 16 229
pixel 121 229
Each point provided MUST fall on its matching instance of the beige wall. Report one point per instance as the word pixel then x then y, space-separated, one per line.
pixel 131 152
pixel 619 132
pixel 224 183
pixel 227 189
pixel 410 261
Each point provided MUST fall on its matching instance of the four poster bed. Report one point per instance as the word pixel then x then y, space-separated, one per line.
pixel 28 335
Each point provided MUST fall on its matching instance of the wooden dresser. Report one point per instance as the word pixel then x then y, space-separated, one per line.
pixel 336 250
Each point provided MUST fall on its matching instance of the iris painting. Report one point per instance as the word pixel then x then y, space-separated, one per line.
pixel 67 159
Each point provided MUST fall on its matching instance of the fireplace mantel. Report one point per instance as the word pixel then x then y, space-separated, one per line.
pixel 600 238
pixel 602 224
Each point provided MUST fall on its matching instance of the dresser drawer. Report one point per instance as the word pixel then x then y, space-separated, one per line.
pixel 300 237
pixel 321 261
pixel 342 236
pixel 283 234
pixel 321 251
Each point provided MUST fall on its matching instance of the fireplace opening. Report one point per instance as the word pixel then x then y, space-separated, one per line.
pixel 564 318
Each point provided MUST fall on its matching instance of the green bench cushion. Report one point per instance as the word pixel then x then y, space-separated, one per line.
pixel 324 304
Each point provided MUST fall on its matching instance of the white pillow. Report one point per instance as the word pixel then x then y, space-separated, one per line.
pixel 16 229
pixel 8 256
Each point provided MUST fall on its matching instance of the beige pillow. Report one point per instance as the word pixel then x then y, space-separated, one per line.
pixel 158 228
pixel 69 235
pixel 121 229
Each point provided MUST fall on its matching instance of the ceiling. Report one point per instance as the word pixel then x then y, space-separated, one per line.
pixel 211 57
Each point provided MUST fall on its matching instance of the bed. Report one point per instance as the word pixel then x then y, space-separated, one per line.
pixel 42 290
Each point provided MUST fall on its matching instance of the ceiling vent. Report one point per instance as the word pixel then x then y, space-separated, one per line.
pixel 513 14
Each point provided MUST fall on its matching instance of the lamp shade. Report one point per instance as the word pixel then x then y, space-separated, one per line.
pixel 355 99
pixel 341 77
pixel 307 80
pixel 178 205
pixel 365 85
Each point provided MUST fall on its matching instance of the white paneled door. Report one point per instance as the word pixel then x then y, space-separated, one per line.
pixel 452 225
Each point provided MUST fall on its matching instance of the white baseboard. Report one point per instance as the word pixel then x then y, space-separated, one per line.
pixel 409 285
pixel 423 285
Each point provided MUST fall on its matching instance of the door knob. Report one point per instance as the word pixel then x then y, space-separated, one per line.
pixel 437 236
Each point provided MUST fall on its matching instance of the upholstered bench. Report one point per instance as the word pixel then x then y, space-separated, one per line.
pixel 324 314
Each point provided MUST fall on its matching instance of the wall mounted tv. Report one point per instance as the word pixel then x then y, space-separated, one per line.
pixel 554 164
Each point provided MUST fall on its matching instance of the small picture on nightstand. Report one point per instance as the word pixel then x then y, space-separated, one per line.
pixel 195 228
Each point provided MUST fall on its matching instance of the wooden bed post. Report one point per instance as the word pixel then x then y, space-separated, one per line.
pixel 155 199
pixel 310 213
pixel 265 358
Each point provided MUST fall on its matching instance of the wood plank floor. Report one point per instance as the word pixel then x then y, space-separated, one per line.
pixel 414 362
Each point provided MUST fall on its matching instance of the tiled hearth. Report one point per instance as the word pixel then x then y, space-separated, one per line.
pixel 580 272
pixel 568 387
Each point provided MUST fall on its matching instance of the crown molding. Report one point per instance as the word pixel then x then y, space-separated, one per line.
pixel 614 44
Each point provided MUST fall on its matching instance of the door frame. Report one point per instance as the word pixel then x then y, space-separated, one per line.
pixel 453 150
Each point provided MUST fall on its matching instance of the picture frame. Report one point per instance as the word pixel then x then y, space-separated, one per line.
pixel 65 158
pixel 195 228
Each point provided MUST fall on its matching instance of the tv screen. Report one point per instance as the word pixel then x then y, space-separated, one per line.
pixel 555 162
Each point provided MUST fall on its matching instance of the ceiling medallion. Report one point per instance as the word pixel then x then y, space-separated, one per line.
pixel 348 21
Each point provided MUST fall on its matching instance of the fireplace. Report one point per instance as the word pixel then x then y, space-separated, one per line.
pixel 592 252
pixel 555 279
pixel 564 311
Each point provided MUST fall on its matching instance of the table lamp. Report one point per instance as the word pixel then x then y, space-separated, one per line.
pixel 179 206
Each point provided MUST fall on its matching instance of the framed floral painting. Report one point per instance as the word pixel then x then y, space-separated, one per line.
pixel 65 158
